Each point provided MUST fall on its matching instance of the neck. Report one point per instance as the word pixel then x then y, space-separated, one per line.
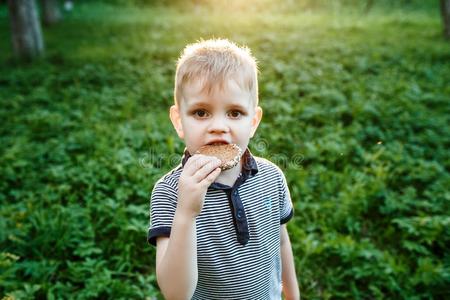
pixel 229 177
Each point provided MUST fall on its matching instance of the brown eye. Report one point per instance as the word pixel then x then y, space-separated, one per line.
pixel 200 113
pixel 234 114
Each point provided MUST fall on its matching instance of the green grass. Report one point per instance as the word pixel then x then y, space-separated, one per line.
pixel 356 112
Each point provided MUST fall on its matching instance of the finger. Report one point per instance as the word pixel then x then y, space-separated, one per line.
pixel 191 160
pixel 197 162
pixel 211 177
pixel 187 168
pixel 207 169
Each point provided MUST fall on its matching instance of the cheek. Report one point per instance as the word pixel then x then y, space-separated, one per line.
pixel 243 129
pixel 193 129
pixel 190 124
pixel 246 124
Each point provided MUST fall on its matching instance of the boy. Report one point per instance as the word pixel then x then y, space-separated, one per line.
pixel 220 234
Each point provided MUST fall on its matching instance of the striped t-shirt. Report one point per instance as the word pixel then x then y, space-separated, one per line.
pixel 238 230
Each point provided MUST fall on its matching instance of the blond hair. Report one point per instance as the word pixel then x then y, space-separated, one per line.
pixel 213 62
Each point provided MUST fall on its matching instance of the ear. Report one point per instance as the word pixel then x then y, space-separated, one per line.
pixel 255 120
pixel 175 117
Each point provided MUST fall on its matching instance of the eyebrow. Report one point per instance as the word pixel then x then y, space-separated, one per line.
pixel 238 106
pixel 207 104
pixel 199 104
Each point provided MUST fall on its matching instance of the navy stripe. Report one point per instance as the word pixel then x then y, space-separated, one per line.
pixel 157 232
pixel 285 220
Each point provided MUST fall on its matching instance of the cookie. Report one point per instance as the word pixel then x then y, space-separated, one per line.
pixel 229 154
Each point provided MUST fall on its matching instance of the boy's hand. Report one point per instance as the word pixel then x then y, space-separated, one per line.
pixel 198 174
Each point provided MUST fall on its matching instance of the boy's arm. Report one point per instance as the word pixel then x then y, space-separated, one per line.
pixel 176 259
pixel 176 256
pixel 290 284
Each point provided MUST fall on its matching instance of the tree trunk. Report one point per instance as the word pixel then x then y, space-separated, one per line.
pixel 445 11
pixel 51 11
pixel 25 29
pixel 368 7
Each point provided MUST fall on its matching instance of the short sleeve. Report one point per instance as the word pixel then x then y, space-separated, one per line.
pixel 286 208
pixel 163 204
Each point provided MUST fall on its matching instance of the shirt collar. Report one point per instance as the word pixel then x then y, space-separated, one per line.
pixel 249 165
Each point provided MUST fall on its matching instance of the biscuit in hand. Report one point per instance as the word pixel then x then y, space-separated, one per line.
pixel 229 154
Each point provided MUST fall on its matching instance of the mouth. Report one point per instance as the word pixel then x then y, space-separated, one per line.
pixel 217 143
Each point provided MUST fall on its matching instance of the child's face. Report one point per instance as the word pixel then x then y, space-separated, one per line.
pixel 224 115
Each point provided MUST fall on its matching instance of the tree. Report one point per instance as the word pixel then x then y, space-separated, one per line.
pixel 52 13
pixel 25 29
pixel 368 7
pixel 445 11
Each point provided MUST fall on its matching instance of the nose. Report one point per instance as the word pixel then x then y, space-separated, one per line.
pixel 218 125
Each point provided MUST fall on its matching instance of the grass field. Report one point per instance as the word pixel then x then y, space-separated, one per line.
pixel 356 112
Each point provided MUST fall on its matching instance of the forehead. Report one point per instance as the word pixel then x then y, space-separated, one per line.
pixel 226 92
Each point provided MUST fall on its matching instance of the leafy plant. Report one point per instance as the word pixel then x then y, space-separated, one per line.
pixel 355 112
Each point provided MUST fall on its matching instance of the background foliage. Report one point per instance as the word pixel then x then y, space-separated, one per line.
pixel 356 113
